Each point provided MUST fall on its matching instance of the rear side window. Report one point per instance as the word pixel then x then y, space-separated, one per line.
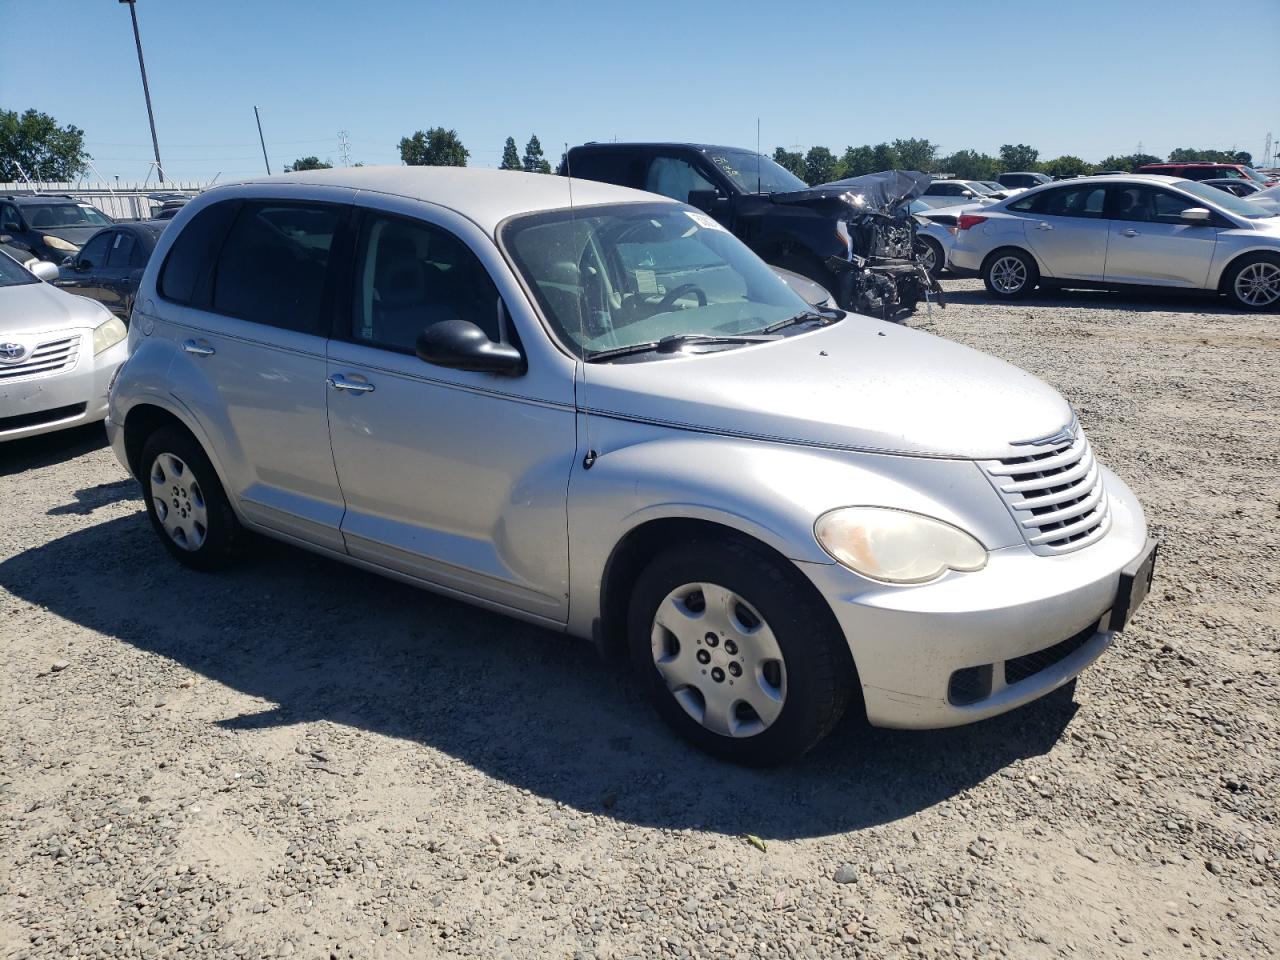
pixel 607 166
pixel 189 266
pixel 120 256
pixel 275 263
pixel 1082 201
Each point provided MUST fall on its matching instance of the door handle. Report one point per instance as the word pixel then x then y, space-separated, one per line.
pixel 1044 226
pixel 197 347
pixel 351 386
pixel 1129 232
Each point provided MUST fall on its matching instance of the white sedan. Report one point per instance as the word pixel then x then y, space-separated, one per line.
pixel 58 353
pixel 1135 230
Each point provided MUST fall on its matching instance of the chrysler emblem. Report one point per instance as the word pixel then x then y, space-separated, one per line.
pixel 12 352
pixel 1066 435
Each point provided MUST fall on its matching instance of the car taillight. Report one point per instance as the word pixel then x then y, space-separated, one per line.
pixel 968 220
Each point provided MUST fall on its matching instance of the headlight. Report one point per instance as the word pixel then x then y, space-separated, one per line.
pixel 107 334
pixel 57 243
pixel 897 546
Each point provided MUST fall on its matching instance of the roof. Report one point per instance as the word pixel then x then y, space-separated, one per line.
pixel 611 145
pixel 1195 163
pixel 485 196
pixel 41 198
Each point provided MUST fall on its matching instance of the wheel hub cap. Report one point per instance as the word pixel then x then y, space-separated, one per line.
pixel 1258 284
pixel 1008 274
pixel 179 501
pixel 719 659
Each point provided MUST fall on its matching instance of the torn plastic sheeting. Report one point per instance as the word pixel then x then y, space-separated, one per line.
pixel 880 193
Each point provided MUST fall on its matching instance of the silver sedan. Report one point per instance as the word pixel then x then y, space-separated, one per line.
pixel 1125 231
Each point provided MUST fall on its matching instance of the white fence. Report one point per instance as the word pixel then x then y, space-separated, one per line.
pixel 121 201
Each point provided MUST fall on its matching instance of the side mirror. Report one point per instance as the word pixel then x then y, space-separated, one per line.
pixel 80 266
pixel 68 262
pixel 461 345
pixel 967 193
pixel 707 200
pixel 1197 215
pixel 46 271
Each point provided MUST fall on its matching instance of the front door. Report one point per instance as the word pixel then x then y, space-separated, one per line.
pixel 1150 243
pixel 452 477
pixel 118 280
pixel 688 180
pixel 83 276
pixel 1065 230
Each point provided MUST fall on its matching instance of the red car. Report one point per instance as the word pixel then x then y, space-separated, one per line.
pixel 1203 170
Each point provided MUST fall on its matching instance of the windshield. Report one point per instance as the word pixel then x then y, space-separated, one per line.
pixel 12 273
pixel 740 166
pixel 1254 175
pixel 52 216
pixel 623 275
pixel 1227 201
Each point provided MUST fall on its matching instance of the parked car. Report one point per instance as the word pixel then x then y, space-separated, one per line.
pixel 999 190
pixel 51 228
pixel 852 237
pixel 1023 179
pixel 944 193
pixel 1239 186
pixel 1268 199
pixel 636 434
pixel 936 231
pixel 1132 230
pixel 58 353
pixel 1205 171
pixel 109 266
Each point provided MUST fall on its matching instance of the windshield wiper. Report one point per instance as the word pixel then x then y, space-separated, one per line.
pixel 677 340
pixel 806 316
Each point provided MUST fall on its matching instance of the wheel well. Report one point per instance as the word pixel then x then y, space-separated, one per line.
pixel 142 421
pixel 1231 265
pixel 642 544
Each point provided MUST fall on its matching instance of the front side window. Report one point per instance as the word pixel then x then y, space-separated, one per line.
pixel 624 275
pixel 94 253
pixel 274 264
pixel 675 178
pixel 411 275
pixel 120 256
pixel 753 173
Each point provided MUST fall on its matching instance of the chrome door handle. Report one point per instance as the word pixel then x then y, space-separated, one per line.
pixel 1130 232
pixel 351 386
pixel 1044 226
pixel 198 347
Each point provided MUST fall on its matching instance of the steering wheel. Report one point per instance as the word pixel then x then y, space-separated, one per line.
pixel 683 291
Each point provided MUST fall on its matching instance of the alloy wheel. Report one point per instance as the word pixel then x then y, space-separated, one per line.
pixel 719 659
pixel 1258 284
pixel 179 502
pixel 1008 275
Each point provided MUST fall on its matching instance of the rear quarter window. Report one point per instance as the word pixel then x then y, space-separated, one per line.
pixel 188 269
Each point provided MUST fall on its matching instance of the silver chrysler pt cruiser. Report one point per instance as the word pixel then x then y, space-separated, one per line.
pixel 595 409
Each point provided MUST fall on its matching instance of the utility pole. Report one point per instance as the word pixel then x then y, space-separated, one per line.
pixel 262 141
pixel 146 90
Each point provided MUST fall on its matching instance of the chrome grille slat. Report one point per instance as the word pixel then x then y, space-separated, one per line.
pixel 1056 495
pixel 47 357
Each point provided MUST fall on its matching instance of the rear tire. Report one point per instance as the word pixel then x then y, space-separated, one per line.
pixel 736 653
pixel 931 256
pixel 1253 282
pixel 185 501
pixel 1010 274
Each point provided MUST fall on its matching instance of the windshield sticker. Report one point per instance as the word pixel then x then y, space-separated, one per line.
pixel 646 281
pixel 702 220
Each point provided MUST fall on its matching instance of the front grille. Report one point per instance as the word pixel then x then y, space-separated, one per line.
pixel 48 357
pixel 1055 494
pixel 44 416
pixel 1019 668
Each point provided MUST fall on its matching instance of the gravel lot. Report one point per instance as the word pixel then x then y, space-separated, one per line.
pixel 300 759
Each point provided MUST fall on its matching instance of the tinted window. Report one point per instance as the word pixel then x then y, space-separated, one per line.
pixel 274 264
pixel 1142 204
pixel 189 265
pixel 9 216
pixel 120 256
pixel 607 166
pixel 673 177
pixel 1082 201
pixel 94 253
pixel 410 275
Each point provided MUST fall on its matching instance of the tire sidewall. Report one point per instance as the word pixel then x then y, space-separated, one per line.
pixel 223 534
pixel 1033 273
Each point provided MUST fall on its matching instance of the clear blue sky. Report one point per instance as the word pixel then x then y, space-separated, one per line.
pixel 1067 76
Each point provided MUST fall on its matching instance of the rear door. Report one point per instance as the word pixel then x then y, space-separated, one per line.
pixel 1066 231
pixel 1149 241
pixel 118 279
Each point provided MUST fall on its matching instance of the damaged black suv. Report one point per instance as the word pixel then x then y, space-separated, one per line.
pixel 854 236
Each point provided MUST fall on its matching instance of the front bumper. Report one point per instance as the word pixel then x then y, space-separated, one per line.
pixel 62 399
pixel 935 655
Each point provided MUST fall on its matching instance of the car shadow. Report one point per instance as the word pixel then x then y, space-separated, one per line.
pixel 47 449
pixel 323 641
pixel 89 499
pixel 1153 302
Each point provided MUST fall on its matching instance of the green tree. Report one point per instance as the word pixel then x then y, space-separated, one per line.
pixel 1127 163
pixel 436 147
pixel 510 156
pixel 855 161
pixel 35 142
pixel 819 166
pixel 969 165
pixel 1066 166
pixel 916 154
pixel 534 161
pixel 307 163
pixel 1195 154
pixel 884 157
pixel 1018 157
pixel 791 161
pixel 1245 157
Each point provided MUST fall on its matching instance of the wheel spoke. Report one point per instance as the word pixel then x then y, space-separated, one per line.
pixel 765 699
pixel 717 714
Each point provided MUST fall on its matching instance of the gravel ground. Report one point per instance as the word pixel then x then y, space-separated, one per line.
pixel 300 759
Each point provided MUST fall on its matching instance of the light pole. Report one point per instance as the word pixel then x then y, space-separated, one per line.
pixel 146 91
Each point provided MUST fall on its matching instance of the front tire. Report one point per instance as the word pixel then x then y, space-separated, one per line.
pixel 1010 274
pixel 1253 282
pixel 185 501
pixel 736 652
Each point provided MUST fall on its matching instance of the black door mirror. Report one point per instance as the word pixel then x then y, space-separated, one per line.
pixel 81 266
pixel 461 345
pixel 708 200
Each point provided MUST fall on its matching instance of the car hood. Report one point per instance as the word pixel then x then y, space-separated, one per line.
pixel 77 235
pixel 860 384
pixel 880 193
pixel 35 307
